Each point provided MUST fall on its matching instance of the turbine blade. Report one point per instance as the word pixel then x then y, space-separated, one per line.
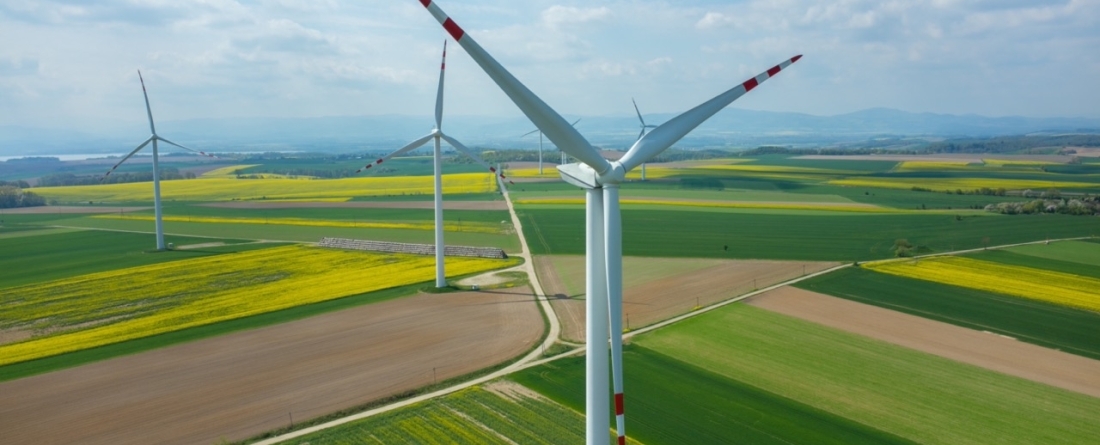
pixel 439 93
pixel 166 141
pixel 545 118
pixel 148 109
pixel 530 133
pixel 139 147
pixel 466 150
pixel 636 111
pixel 412 146
pixel 574 124
pixel 641 134
pixel 668 133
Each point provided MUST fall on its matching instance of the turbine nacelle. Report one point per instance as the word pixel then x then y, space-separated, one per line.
pixel 584 176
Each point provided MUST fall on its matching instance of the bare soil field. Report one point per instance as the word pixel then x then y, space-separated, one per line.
pixel 651 295
pixel 978 348
pixel 50 210
pixel 447 205
pixel 1091 152
pixel 947 157
pixel 242 384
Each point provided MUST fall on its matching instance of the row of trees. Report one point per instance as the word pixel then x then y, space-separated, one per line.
pixel 12 196
pixel 1084 206
pixel 67 179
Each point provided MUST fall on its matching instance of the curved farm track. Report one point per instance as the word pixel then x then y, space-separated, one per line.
pixel 242 384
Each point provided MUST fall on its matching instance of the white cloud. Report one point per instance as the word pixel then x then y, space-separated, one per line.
pixel 557 15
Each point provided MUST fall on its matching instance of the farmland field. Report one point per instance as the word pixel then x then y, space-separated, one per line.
pixel 1011 256
pixel 917 396
pixel 858 237
pixel 108 307
pixel 238 385
pixel 503 414
pixel 1071 251
pixel 225 189
pixel 1071 330
pixel 1025 282
pixel 68 253
pixel 669 401
pixel 656 289
pixel 508 242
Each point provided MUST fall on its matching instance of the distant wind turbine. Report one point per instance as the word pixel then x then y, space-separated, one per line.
pixel 437 135
pixel 600 179
pixel 156 164
pixel 536 130
pixel 644 127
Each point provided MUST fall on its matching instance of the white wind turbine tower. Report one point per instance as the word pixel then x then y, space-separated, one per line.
pixel 154 138
pixel 644 127
pixel 536 130
pixel 437 135
pixel 600 179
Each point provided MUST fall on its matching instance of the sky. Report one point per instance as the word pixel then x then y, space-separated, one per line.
pixel 73 64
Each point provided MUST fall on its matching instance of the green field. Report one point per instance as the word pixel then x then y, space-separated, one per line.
pixel 849 237
pixel 1014 258
pixel 917 396
pixel 33 259
pixel 473 416
pixel 672 402
pixel 1071 330
pixel 343 214
pixel 1070 251
pixel 510 243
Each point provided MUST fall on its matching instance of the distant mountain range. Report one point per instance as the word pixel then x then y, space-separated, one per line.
pixel 730 128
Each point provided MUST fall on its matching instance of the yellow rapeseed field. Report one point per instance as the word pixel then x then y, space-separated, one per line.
pixel 473 227
pixel 227 189
pixel 1037 284
pixel 109 307
pixel 952 184
pixel 860 208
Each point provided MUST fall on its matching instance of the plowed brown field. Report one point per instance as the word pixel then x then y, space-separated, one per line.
pixel 242 384
pixel 651 295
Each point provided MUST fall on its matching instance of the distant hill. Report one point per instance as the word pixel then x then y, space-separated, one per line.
pixel 732 127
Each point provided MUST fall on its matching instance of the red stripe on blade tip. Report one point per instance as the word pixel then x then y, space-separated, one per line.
pixel 774 70
pixel 425 2
pixel 750 84
pixel 618 404
pixel 622 440
pixel 453 29
pixel 795 58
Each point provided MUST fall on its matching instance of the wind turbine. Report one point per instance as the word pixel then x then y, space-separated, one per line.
pixel 156 164
pixel 536 130
pixel 644 127
pixel 437 134
pixel 600 179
